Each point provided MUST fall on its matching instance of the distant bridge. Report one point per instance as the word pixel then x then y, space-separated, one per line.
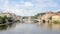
pixel 29 19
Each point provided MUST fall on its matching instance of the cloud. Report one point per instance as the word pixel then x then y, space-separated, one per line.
pixel 26 8
pixel 43 4
pixel 28 4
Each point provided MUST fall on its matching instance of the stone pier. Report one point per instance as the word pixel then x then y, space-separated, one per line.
pixel 21 19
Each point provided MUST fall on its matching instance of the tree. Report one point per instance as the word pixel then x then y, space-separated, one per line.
pixel 36 16
pixel 10 19
pixel 1 20
pixel 4 18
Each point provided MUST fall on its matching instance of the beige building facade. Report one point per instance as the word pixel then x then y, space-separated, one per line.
pixel 52 15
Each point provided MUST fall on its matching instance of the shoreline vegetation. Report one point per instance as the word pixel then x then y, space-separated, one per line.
pixel 5 20
pixel 37 15
pixel 56 22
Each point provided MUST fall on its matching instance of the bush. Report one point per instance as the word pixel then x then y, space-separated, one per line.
pixel 56 22
pixel 10 19
pixel 4 18
pixel 1 20
pixel 4 21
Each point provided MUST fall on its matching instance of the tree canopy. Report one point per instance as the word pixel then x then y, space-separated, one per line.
pixel 36 16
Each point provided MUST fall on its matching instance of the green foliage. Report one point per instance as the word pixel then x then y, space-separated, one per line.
pixel 56 22
pixel 10 19
pixel 25 17
pixel 1 20
pixel 36 16
pixel 5 17
pixel 3 27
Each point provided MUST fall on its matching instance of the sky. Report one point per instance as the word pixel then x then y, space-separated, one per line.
pixel 29 7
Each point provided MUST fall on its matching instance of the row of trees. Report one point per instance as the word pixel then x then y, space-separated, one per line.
pixel 4 19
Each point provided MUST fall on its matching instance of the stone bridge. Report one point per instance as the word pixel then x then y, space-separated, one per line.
pixel 29 19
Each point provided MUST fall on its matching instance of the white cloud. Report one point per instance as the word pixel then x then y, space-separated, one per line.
pixel 24 7
pixel 27 4
pixel 14 10
pixel 46 4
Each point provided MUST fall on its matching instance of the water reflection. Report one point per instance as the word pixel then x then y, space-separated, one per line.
pixel 3 27
pixel 49 26
pixel 52 26
pixel 30 28
pixel 56 26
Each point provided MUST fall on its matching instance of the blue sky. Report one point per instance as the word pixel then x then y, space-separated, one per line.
pixel 29 7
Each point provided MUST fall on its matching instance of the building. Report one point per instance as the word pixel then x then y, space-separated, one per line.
pixel 56 16
pixel 47 15
pixel 51 16
pixel 18 17
pixel 7 14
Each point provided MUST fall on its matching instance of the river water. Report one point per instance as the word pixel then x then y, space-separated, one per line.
pixel 30 28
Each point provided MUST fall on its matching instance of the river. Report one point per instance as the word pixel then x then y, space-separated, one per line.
pixel 30 28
